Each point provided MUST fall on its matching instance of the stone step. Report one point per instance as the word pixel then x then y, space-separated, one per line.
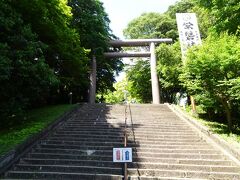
pixel 76 139
pixel 135 158
pixel 176 150
pixel 115 168
pixel 69 156
pixel 129 123
pixel 122 126
pixel 109 152
pixel 137 134
pixel 136 150
pixel 194 162
pixel 178 155
pixel 143 148
pixel 121 120
pixel 73 151
pixel 69 169
pixel 104 146
pixel 145 133
pixel 139 130
pixel 60 175
pixel 155 116
pixel 74 162
pixel 186 167
pixel 120 143
pixel 106 133
pixel 183 174
pixel 159 178
pixel 83 143
pixel 140 136
pixel 130 139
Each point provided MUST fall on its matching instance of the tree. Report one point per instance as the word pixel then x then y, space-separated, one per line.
pixel 183 6
pixel 226 14
pixel 205 20
pixel 24 75
pixel 122 93
pixel 169 67
pixel 50 20
pixel 92 23
pixel 151 25
pixel 139 78
pixel 210 68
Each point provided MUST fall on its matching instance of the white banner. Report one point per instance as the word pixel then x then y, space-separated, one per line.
pixel 188 31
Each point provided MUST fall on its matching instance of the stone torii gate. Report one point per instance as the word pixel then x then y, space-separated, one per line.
pixel 131 43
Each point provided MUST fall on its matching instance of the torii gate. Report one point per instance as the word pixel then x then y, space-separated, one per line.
pixel 131 43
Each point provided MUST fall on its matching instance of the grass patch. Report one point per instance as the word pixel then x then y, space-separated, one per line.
pixel 218 128
pixel 36 120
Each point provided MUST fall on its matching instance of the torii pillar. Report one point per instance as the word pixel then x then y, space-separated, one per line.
pixel 93 77
pixel 154 76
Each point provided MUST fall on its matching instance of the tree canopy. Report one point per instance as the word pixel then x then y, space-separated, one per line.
pixel 151 25
pixel 24 75
pixel 92 23
pixel 225 13
pixel 46 51
pixel 139 78
pixel 210 68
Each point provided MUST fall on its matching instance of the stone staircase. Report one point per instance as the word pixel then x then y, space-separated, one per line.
pixel 168 148
pixel 164 147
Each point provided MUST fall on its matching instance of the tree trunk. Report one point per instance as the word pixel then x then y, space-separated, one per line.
pixel 227 109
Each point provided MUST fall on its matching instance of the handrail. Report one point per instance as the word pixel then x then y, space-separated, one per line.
pixel 125 141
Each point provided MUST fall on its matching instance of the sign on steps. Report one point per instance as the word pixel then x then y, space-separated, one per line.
pixel 122 154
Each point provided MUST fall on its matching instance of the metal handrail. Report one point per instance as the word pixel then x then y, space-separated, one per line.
pixel 125 141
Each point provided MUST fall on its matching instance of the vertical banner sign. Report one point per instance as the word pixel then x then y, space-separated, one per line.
pixel 189 35
pixel 188 31
pixel 122 154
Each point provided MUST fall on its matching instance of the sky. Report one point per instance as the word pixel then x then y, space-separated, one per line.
pixel 121 12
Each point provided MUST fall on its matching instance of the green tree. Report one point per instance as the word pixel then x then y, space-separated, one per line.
pixel 151 25
pixel 183 6
pixel 24 76
pixel 92 23
pixel 205 20
pixel 121 93
pixel 50 20
pixel 139 78
pixel 210 68
pixel 225 13
pixel 169 67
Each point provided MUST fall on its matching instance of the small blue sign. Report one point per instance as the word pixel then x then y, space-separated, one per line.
pixel 127 155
